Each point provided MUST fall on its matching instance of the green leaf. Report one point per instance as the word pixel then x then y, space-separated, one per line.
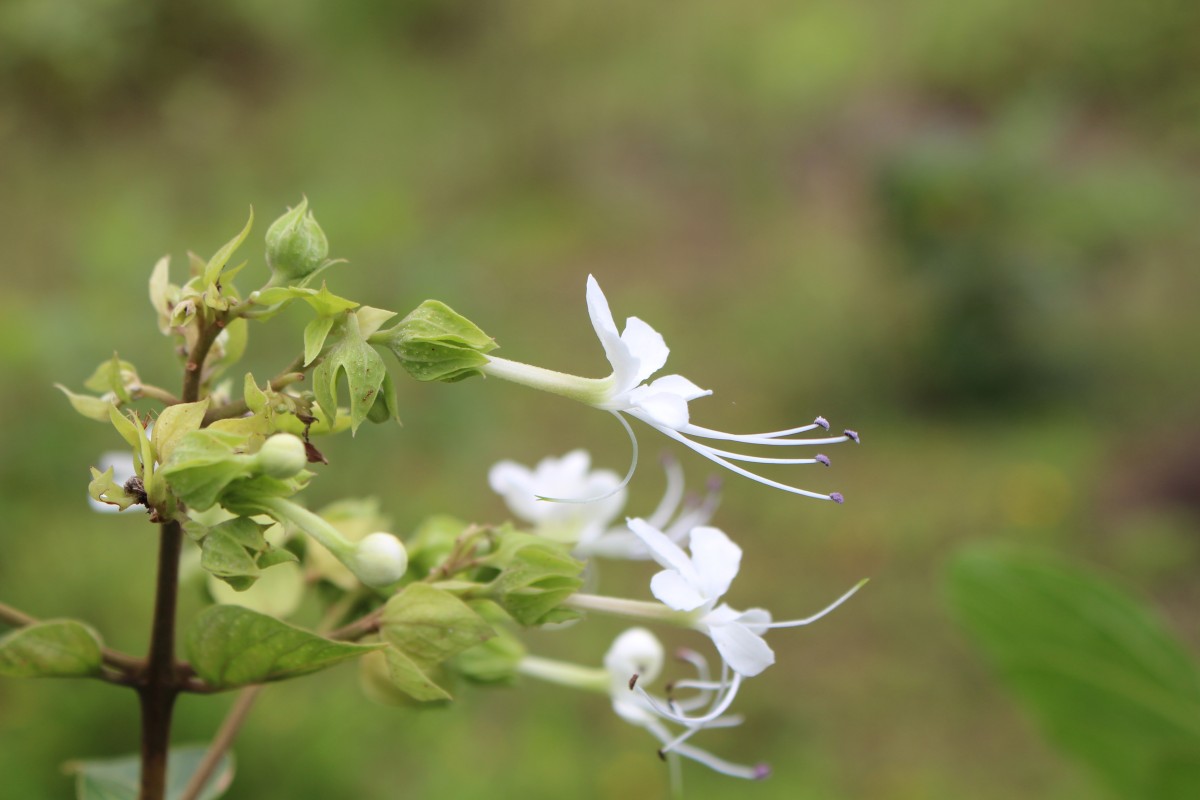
pixel 429 625
pixel 363 367
pixel 314 337
pixel 256 398
pixel 233 346
pixel 324 302
pixel 536 576
pixel 371 319
pixel 1109 683
pixel 131 431
pixel 212 270
pixel 202 464
pixel 230 552
pixel 60 648
pixel 118 778
pixel 173 423
pixel 160 291
pixel 233 646
pixel 496 660
pixel 91 407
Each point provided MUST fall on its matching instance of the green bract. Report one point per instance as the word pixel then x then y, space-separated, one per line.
pixel 434 343
pixel 296 245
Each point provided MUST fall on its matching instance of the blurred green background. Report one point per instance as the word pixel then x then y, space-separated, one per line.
pixel 965 229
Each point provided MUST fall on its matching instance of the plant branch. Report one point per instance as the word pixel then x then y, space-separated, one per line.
pixel 193 370
pixel 221 742
pixel 155 393
pixel 159 688
pixel 292 373
pixel 361 627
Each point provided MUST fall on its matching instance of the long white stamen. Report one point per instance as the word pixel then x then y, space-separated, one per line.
pixel 624 481
pixel 795 623
pixel 671 497
pixel 706 451
pixel 755 773
pixel 763 459
pixel 717 710
pixel 709 433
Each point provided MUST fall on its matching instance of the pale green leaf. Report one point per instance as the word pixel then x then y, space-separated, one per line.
pixel 91 407
pixel 173 423
pixel 349 355
pixel 314 337
pixel 411 679
pixel 60 648
pixel 233 646
pixel 212 270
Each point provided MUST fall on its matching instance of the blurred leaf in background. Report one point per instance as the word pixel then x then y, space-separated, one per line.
pixel 1108 681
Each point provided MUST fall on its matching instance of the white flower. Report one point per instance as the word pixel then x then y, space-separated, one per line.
pixel 698 582
pixel 566 478
pixel 537 496
pixel 634 660
pixel 635 354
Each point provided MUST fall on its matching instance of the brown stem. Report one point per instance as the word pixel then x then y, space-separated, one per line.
pixel 221 742
pixel 160 685
pixel 359 628
pixel 156 393
pixel 292 373
pixel 193 370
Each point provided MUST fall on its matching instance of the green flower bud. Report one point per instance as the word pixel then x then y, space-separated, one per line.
pixel 378 560
pixel 282 456
pixel 435 343
pixel 296 245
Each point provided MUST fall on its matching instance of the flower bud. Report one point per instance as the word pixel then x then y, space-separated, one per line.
pixel 296 245
pixel 634 652
pixel 435 343
pixel 282 456
pixel 378 560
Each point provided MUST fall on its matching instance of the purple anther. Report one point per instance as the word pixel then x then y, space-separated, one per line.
pixel 762 771
pixel 824 423
pixel 633 681
pixel 837 497
pixel 822 459
pixel 852 435
pixel 666 459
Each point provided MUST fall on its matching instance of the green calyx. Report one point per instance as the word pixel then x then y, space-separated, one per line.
pixel 435 343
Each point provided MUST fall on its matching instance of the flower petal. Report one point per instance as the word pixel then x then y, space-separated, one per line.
pixel 646 345
pixel 716 559
pixel 659 409
pixel 662 549
pixel 679 385
pixel 624 363
pixel 743 650
pixel 674 590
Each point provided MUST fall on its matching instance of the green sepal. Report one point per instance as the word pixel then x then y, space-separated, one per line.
pixel 162 293
pixel 119 778
pixel 413 679
pixel 384 409
pixel 256 398
pixel 91 407
pixel 536 576
pixel 233 646
pixel 429 625
pixel 212 270
pixel 103 489
pixel 496 660
pixel 62 648
pixel 435 343
pixel 363 367
pixel 175 422
pixel 432 542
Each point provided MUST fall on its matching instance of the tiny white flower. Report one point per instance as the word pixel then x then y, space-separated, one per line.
pixel 634 660
pixel 696 583
pixel 635 354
